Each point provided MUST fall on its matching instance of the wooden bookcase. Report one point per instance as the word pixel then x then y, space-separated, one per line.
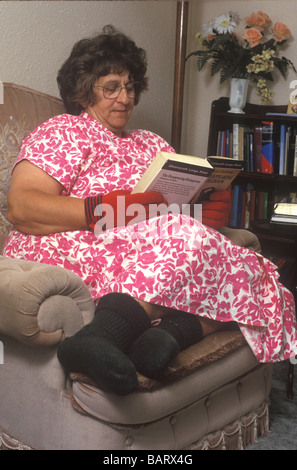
pixel 276 240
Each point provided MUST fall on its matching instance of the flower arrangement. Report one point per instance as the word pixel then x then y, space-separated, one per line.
pixel 250 55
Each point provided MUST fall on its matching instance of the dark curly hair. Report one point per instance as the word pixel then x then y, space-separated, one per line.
pixel 109 52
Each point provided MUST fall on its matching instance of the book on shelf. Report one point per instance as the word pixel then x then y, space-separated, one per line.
pixel 235 141
pixel 282 149
pixel 285 212
pixel 257 155
pixel 286 208
pixel 281 115
pixel 283 219
pixel 268 153
pixel 184 179
pixel 292 141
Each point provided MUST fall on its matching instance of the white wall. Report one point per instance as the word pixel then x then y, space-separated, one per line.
pixel 201 89
pixel 37 36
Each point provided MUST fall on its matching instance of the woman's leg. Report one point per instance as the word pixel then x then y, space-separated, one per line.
pixel 155 312
pixel 152 351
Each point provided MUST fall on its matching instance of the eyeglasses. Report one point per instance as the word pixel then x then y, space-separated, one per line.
pixel 112 91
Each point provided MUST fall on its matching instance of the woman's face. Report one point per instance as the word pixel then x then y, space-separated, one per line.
pixel 113 113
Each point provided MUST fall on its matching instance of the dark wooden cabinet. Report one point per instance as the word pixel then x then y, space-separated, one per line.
pixel 276 240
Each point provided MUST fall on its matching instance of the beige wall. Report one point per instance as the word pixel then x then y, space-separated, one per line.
pixel 37 36
pixel 201 89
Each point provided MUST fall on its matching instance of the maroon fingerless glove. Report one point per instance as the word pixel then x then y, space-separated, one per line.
pixel 111 199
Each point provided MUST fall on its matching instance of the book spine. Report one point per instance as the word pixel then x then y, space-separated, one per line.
pixel 251 153
pixel 291 151
pixel 257 155
pixel 223 143
pixel 282 149
pixel 235 205
pixel 267 161
pixel 241 143
pixel 235 141
pixel 288 133
pixel 230 145
pixel 295 159
pixel 227 143
pixel 219 143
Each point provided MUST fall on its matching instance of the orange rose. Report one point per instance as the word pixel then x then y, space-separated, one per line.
pixel 253 36
pixel 258 20
pixel 280 32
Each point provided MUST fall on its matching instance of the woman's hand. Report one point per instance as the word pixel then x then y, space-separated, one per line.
pixel 119 208
pixel 216 210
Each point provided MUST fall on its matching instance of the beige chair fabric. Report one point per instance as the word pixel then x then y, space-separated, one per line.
pixel 39 304
pixel 22 111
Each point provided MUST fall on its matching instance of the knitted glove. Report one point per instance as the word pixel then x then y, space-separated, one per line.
pixel 119 214
pixel 216 210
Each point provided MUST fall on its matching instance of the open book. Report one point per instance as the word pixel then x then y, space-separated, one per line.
pixel 184 179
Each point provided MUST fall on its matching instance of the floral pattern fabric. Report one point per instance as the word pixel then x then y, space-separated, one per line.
pixel 170 260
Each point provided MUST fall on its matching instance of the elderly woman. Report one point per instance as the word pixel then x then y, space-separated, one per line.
pixel 169 267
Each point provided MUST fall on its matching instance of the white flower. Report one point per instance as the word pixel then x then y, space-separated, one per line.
pixel 224 24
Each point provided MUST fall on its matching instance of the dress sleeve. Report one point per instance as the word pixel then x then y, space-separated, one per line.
pixel 57 147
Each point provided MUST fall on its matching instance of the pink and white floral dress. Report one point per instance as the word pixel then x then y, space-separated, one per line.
pixel 170 260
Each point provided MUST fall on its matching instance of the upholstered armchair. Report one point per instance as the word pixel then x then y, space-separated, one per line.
pixel 214 394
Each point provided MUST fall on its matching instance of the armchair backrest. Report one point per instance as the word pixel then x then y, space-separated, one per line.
pixel 23 109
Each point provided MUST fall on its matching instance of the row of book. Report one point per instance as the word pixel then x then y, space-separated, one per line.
pixel 267 148
pixel 249 205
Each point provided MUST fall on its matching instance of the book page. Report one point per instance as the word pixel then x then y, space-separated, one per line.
pixel 177 187
pixel 219 180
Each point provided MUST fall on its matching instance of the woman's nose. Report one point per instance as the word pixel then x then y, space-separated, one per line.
pixel 123 96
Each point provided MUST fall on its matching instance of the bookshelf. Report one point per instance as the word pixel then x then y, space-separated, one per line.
pixel 273 186
pixel 279 242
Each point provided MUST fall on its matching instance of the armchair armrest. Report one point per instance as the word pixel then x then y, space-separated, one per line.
pixel 41 304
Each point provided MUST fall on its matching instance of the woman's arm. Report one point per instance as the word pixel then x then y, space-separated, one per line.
pixel 35 204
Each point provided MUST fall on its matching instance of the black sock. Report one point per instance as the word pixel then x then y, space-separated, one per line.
pixel 152 352
pixel 99 348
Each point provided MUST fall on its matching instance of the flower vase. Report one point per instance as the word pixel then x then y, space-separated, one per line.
pixel 238 94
